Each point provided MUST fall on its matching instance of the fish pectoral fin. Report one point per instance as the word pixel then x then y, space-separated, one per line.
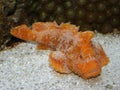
pixel 104 59
pixel 58 62
pixel 100 53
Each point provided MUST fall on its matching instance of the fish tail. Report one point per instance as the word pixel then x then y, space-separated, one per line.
pixel 23 32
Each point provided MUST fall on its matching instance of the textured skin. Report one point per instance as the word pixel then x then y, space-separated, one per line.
pixel 73 51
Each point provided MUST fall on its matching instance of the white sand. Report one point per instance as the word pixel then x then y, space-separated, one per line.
pixel 25 68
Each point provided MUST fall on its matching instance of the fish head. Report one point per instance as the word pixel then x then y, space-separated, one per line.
pixel 87 57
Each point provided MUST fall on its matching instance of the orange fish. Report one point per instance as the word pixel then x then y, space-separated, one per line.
pixel 72 51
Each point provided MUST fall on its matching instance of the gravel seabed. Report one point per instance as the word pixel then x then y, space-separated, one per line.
pixel 25 68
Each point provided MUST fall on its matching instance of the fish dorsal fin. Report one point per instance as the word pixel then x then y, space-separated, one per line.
pixel 68 26
pixel 86 36
pixel 40 26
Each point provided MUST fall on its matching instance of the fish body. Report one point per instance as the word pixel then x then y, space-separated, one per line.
pixel 71 51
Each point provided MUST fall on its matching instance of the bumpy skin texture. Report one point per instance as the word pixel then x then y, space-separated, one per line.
pixel 72 51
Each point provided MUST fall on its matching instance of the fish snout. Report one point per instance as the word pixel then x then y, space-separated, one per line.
pixel 88 68
pixel 91 68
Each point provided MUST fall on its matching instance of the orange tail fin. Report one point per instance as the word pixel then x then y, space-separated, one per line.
pixel 23 32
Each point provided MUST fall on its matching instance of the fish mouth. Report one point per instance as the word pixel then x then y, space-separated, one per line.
pixel 91 74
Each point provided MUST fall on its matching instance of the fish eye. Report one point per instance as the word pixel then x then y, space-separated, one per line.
pixel 81 57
